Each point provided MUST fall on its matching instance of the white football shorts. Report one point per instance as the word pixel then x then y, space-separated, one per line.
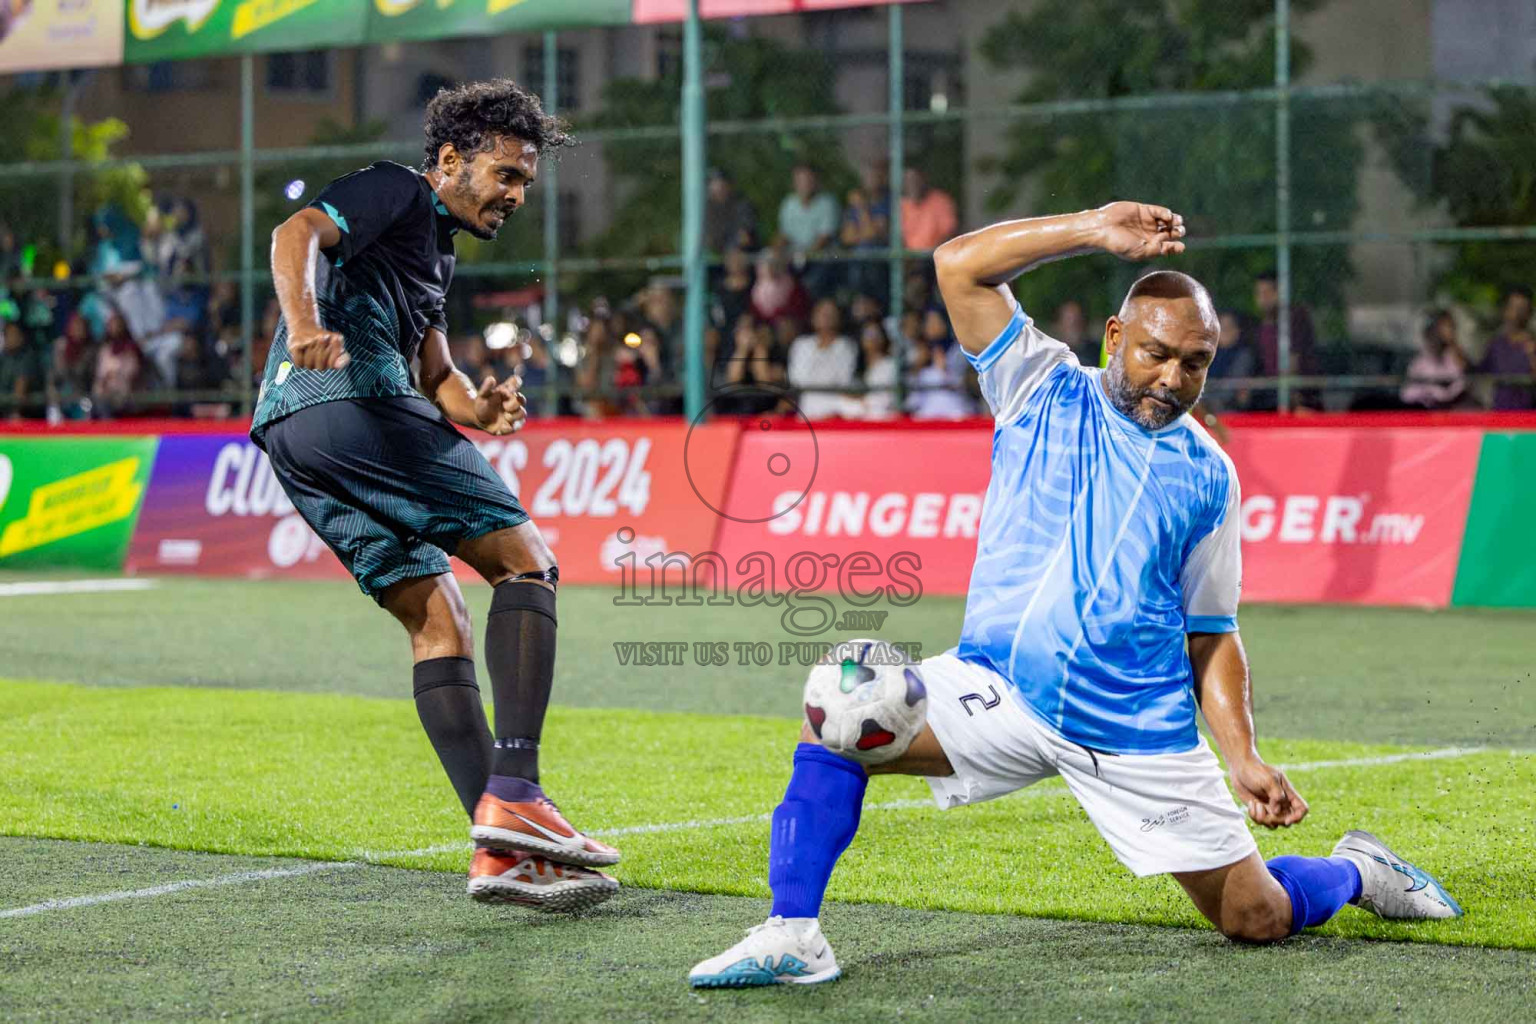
pixel 1160 813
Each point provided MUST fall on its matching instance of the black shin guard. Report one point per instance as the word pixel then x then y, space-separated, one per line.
pixel 520 655
pixel 448 702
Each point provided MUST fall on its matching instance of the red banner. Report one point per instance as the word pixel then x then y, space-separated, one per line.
pixel 1358 515
pixel 1363 516
pixel 597 491
pixel 910 499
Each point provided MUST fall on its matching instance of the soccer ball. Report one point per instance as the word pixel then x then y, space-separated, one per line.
pixel 865 701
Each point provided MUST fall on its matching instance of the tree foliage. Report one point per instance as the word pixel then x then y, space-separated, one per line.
pixel 1213 162
pixel 746 79
pixel 31 125
pixel 1481 172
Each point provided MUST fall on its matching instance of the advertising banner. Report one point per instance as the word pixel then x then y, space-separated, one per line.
pixel 1498 557
pixel 1362 516
pixel 597 491
pixel 71 501
pixel 433 19
pixel 173 29
pixel 908 500
pixel 38 35
pixel 676 10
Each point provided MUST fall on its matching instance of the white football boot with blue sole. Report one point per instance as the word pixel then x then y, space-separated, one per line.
pixel 776 952
pixel 1390 887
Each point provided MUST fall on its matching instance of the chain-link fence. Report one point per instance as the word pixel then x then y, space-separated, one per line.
pixel 1358 182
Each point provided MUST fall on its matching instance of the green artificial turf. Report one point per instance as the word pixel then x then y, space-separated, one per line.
pixel 383 944
pixel 1358 674
pixel 251 772
pixel 243 718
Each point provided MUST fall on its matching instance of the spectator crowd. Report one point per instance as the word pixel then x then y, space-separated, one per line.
pixel 136 314
pixel 799 317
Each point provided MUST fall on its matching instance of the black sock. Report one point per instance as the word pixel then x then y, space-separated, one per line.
pixel 520 656
pixel 448 702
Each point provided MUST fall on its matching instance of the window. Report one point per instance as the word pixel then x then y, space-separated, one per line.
pixel 167 76
pixel 567 75
pixel 669 53
pixel 299 73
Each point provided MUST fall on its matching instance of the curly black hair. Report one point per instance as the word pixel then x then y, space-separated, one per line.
pixel 473 116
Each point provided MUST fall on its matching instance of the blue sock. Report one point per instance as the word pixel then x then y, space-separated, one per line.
pixel 1318 887
pixel 812 827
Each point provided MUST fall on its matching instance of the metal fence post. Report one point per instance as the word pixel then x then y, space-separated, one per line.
pixel 551 175
pixel 247 228
pixel 693 214
pixel 896 102
pixel 1283 194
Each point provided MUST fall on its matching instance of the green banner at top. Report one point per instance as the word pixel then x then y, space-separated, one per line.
pixel 174 29
pixel 430 19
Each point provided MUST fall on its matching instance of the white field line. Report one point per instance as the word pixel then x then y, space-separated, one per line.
pixel 239 878
pixel 904 805
pixel 1365 762
pixel 366 857
pixel 33 588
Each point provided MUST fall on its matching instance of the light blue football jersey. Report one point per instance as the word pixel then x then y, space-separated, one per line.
pixel 1102 544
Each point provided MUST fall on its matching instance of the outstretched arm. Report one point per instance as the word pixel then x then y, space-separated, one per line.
pixel 974 269
pixel 494 408
pixel 1222 688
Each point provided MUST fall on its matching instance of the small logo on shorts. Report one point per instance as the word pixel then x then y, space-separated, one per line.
pixel 1172 817
pixel 283 370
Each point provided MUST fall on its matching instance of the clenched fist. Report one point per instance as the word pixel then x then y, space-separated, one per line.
pixel 499 408
pixel 315 348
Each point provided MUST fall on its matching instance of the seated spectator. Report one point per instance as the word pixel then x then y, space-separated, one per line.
pixel 1513 351
pixel 909 330
pixel 823 364
pixel 22 377
pixel 928 217
pixel 733 294
pixel 879 371
pixel 776 293
pixel 785 330
pixel 863 309
pixel 223 307
pixel 1234 359
pixel 754 367
pixel 1070 327
pixel 634 366
pixel 867 228
pixel 1437 376
pixel 659 308
pixel 729 220
pixel 917 291
pixel 10 253
pixel 187 253
pixel 1266 296
pixel 119 362
pixel 196 370
pixel 808 219
pixel 73 364
pixel 935 382
pixel 807 216
pixel 936 328
pixel 531 362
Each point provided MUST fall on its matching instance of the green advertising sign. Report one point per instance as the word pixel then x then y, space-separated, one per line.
pixel 430 19
pixel 173 29
pixel 1498 556
pixel 71 501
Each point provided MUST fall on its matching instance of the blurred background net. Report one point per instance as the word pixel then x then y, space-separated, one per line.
pixel 1359 177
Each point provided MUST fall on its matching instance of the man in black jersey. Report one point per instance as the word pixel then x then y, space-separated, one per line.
pixel 354 414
